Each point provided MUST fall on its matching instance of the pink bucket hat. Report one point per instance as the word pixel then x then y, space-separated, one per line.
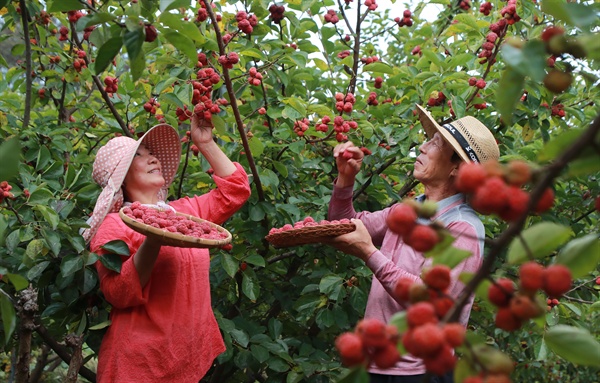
pixel 113 161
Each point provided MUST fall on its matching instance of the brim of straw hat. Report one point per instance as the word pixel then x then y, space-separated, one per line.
pixel 164 142
pixel 476 137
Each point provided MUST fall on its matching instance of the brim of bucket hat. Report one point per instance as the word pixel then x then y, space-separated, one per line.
pixel 431 127
pixel 164 142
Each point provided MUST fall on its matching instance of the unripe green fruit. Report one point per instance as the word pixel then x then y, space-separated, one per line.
pixel 557 45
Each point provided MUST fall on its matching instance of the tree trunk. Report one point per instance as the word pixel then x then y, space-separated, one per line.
pixel 27 308
pixel 75 342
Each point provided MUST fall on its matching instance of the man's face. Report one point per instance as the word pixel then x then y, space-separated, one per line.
pixel 434 166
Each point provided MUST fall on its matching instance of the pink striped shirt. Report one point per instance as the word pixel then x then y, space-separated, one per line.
pixel 395 259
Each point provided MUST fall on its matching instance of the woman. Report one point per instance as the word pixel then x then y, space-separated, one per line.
pixel 384 251
pixel 162 325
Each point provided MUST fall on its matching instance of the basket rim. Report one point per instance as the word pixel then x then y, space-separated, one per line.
pixel 309 234
pixel 177 239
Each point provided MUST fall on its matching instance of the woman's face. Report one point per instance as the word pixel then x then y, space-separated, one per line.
pixel 144 175
pixel 434 165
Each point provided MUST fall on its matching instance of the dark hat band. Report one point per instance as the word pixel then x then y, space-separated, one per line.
pixel 462 142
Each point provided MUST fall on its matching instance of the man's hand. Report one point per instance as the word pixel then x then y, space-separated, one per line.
pixel 348 159
pixel 357 243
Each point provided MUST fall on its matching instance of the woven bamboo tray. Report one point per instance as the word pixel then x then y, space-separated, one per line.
pixel 177 239
pixel 309 235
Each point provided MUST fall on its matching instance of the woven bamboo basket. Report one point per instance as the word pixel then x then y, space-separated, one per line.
pixel 309 235
pixel 177 239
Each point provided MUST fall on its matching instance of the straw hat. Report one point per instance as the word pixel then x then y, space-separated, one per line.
pixel 472 140
pixel 113 161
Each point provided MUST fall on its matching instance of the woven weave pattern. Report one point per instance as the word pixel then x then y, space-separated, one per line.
pixel 309 235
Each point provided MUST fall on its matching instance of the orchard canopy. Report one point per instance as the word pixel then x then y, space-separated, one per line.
pixel 283 83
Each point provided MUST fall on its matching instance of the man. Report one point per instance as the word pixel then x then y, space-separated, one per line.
pixel 384 251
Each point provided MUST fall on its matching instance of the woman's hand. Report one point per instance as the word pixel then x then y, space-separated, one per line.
pixel 357 243
pixel 348 159
pixel 201 131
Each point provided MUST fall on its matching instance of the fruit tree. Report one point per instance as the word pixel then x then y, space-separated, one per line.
pixel 284 82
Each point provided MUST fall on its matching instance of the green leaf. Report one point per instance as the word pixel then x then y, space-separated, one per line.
pixel 70 265
pixel 451 257
pixel 354 375
pixel 191 30
pixel 378 67
pixel 510 90
pixel 107 53
pixel 330 285
pixel 65 5
pixel 250 287
pixel 94 19
pixel 576 345
pixel 557 146
pixel 111 261
pixel 133 41
pixel 296 103
pixel 166 5
pixel 10 154
pixel 183 44
pixel 581 255
pixel 18 281
pixel 3 3
pixel 116 247
pixel 540 240
pixel 256 147
pixel 256 260
pixel 583 167
pixel 528 61
pixel 137 66
pixel 9 317
pixel 49 215
pixel 580 15
pixel 229 264
pixel 37 270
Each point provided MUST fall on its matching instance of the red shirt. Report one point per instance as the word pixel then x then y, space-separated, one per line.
pixel 166 331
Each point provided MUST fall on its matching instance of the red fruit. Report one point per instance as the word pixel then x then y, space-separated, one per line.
pixel 350 347
pixel 151 33
pixel 442 305
pixel 506 320
pixel 420 313
pixel 401 219
pixel 480 83
pixel 500 292
pixel 531 275
pixel 372 332
pixel 243 266
pixel 557 81
pixel 518 199
pixel 262 111
pixel 491 197
pixel 545 202
pixel 598 280
pixel 402 289
pixel 437 277
pixel 441 363
pixel 386 357
pixel 427 340
pixel 523 307
pixel 422 238
pixel 597 204
pixel 557 280
pixel 472 81
pixel 550 32
pixel 518 173
pixel 470 176
pixel 454 333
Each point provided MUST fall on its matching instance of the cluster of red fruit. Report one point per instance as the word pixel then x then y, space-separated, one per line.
pixel 301 126
pixel 331 17
pixel 42 93
pixel 73 16
pixel 436 98
pixel 343 54
pixel 255 77
pixel 323 125
pixel 5 191
pixel 344 103
pixel 402 220
pixel 151 106
pixel 372 99
pixel 276 13
pixel 228 60
pixel 371 5
pixel 509 12
pixel 64 33
pixel 416 51
pixel 556 110
pixel 406 20
pixel 111 84
pixel 378 82
pixel 487 48
pixel 201 95
pixel 463 4
pixel 342 126
pixel 497 188
pixel 372 341
pixel 307 222
pixel 479 83
pixel 150 33
pixel 79 64
pixel 246 22
pixel 515 307
pixel 485 8
pixel 369 60
pixel 170 221
pixel 44 18
pixel 183 114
